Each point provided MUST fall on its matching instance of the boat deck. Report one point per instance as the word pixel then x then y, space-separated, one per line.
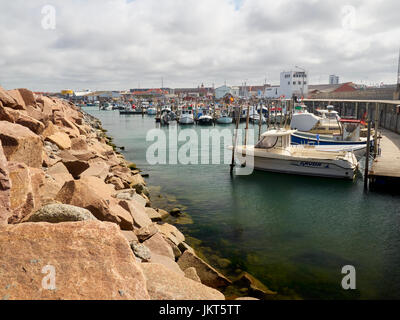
pixel 388 163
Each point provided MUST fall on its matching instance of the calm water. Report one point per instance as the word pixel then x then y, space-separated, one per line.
pixel 293 233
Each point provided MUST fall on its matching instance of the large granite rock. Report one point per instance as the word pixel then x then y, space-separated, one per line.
pixel 23 97
pixel 208 275
pixel 165 284
pixel 137 212
pixel 25 190
pixel 171 233
pixel 56 213
pixel 5 187
pixel 80 193
pixel 61 139
pixel 20 144
pixel 158 245
pixel 89 260
pixel 6 99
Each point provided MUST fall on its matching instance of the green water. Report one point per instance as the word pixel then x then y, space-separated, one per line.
pixel 293 233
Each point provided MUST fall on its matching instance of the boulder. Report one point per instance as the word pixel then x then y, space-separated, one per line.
pixel 75 166
pixel 56 213
pixel 175 212
pixel 20 144
pixel 164 284
pixel 146 232
pixel 24 120
pixel 153 214
pixel 141 251
pixel 208 275
pixel 183 246
pixel 191 273
pixel 49 130
pixel 90 260
pixel 25 190
pixel 80 193
pixel 166 262
pixel 255 287
pixel 130 236
pixel 61 139
pixel 164 214
pixel 5 187
pixel 138 213
pixel 79 144
pixel 158 245
pixel 7 100
pixel 97 169
pixel 6 114
pixel 116 182
pixel 23 97
pixel 171 233
pixel 130 194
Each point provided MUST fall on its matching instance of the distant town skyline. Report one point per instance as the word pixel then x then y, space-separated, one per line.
pixel 116 45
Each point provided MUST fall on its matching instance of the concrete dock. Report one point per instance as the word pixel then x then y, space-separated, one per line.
pixel 385 170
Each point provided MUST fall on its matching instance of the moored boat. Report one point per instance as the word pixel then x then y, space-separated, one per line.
pixel 275 153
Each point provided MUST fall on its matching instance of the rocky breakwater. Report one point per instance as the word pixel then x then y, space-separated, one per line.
pixel 76 220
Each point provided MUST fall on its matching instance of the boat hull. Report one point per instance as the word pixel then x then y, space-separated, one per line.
pixel 186 120
pixel 224 120
pixel 317 168
pixel 205 121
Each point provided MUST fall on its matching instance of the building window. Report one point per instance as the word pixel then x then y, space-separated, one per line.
pixel 294 82
pixel 299 82
pixel 305 82
pixel 288 83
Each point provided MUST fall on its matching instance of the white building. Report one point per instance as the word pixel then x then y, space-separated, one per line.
pixel 235 91
pixel 272 92
pixel 333 79
pixel 294 83
pixel 220 92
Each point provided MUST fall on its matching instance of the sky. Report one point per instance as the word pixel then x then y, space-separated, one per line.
pixel 118 44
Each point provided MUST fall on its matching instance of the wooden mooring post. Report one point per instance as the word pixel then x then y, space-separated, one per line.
pixel 235 139
pixel 366 172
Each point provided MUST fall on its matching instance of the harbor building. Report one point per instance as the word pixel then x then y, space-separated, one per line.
pixel 294 83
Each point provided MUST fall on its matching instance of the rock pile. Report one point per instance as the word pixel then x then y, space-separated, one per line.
pixel 75 217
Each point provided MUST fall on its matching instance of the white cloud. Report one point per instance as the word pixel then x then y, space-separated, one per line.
pixel 102 44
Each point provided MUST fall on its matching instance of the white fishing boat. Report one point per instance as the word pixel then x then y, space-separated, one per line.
pixel 204 118
pixel 151 111
pixel 327 122
pixel 186 116
pixel 276 115
pixel 224 118
pixel 275 153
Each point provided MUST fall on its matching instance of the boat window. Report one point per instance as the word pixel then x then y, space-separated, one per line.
pixel 267 143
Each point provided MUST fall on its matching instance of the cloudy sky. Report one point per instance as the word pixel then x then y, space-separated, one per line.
pixel 120 44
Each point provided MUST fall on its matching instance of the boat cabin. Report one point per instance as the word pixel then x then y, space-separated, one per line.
pixel 275 139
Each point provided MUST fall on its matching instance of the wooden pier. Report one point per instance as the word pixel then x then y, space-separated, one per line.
pixel 385 170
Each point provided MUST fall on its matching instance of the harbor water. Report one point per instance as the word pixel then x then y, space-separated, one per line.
pixel 293 233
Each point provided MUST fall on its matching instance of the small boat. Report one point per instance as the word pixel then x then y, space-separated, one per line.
pixel 224 118
pixel 186 116
pixel 254 117
pixel 107 106
pixel 204 118
pixel 151 111
pixel 275 153
pixel 276 115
